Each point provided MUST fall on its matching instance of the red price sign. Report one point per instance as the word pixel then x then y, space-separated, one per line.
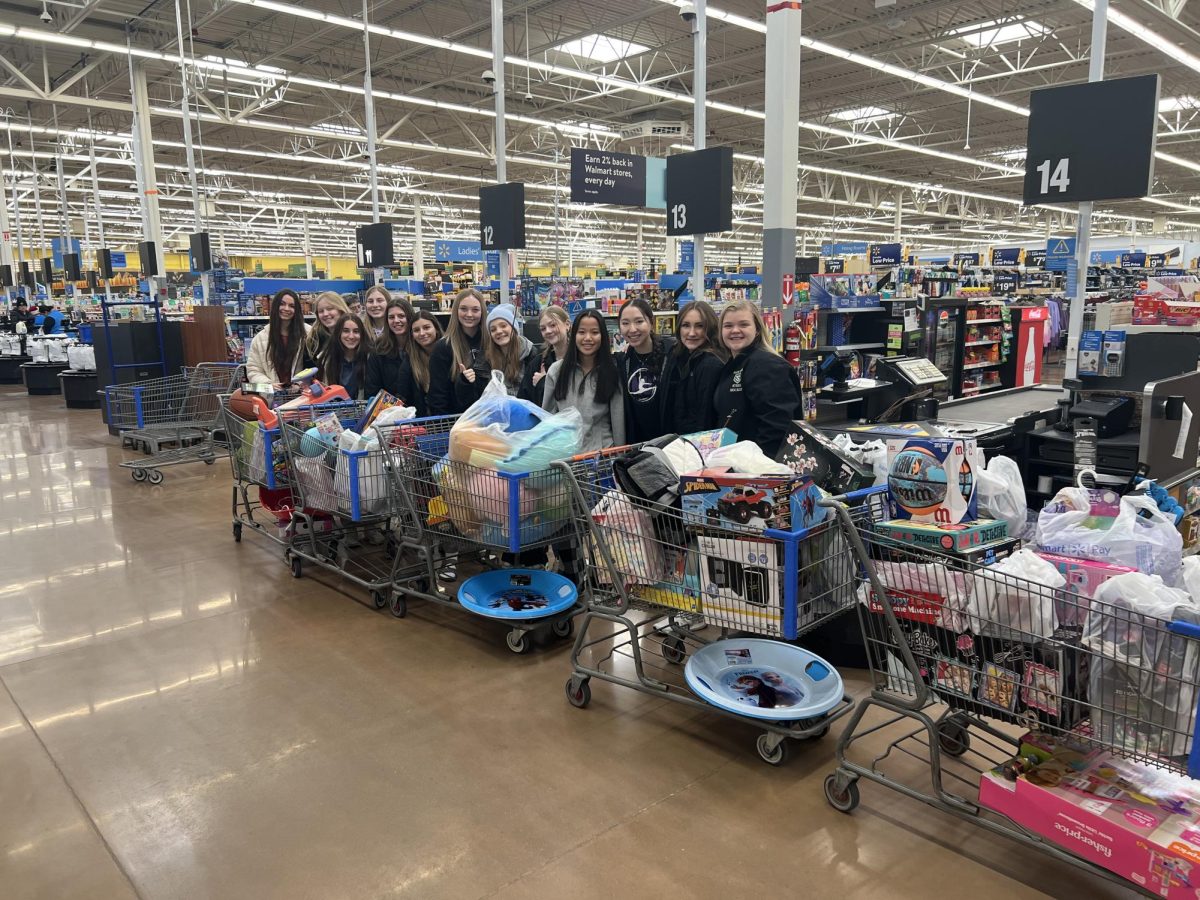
pixel 789 289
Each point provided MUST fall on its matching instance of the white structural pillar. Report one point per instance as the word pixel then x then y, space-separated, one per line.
pixel 781 157
pixel 640 245
pixel 369 103
pixel 16 195
pixel 501 136
pixel 699 124
pixel 100 240
pixel 418 242
pixel 1083 232
pixel 185 104
pixel 143 157
pixel 6 253
pixel 308 272
pixel 899 221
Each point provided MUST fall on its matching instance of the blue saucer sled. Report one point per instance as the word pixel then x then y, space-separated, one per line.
pixel 763 679
pixel 529 599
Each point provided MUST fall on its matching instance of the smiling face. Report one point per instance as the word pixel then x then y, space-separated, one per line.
pixel 424 333
pixel 738 331
pixel 692 333
pixel 287 308
pixel 351 336
pixel 636 329
pixel 376 304
pixel 501 333
pixel 470 313
pixel 327 313
pixel 587 338
pixel 553 330
pixel 397 321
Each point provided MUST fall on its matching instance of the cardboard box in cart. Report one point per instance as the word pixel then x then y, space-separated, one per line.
pixel 806 451
pixel 719 498
pixel 934 479
pixel 741 582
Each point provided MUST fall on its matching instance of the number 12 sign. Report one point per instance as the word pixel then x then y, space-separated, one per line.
pixel 1065 160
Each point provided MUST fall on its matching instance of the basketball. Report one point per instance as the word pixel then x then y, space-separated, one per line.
pixel 917 481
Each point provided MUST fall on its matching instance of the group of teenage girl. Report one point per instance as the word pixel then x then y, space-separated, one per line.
pixel 717 371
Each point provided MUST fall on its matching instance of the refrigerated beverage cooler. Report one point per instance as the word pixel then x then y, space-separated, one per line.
pixel 943 328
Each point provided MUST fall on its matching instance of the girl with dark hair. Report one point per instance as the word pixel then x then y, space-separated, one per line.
pixel 641 366
pixel 345 360
pixel 587 379
pixel 458 351
pixel 413 386
pixel 692 371
pixel 277 351
pixel 388 355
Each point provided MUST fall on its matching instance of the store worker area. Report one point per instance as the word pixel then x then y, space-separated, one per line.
pixel 485 449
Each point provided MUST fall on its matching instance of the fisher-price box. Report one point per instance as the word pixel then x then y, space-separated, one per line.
pixel 718 498
pixel 1084 577
pixel 741 584
pixel 1142 823
pixel 934 479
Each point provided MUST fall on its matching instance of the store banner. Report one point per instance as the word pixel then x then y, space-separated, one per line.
pixel 56 250
pixel 119 261
pixel 966 259
pixel 450 251
pixel 1006 256
pixel 1135 260
pixel 1058 251
pixel 605 176
pixel 1105 257
pixel 687 256
pixel 886 254
pixel 844 248
pixel 492 258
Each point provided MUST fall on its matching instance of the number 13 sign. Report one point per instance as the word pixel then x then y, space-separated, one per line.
pixel 700 191
pixel 1067 161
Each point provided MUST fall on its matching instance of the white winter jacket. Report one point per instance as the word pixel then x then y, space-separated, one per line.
pixel 258 361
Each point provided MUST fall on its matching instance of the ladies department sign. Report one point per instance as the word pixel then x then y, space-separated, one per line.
pixel 622 179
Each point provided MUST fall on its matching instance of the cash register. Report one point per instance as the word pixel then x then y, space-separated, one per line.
pixel 901 388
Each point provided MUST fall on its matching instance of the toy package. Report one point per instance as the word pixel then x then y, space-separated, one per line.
pixel 934 479
pixel 1084 577
pixel 947 538
pixel 719 498
pixel 741 584
pixel 806 451
pixel 1141 822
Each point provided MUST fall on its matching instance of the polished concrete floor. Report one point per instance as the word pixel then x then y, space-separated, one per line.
pixel 179 718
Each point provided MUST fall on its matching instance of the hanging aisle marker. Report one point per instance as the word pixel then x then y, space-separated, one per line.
pixel 502 216
pixel 700 191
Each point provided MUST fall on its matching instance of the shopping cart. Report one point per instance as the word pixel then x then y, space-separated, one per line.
pixel 970 664
pixel 174 420
pixel 661 585
pixel 447 510
pixel 342 501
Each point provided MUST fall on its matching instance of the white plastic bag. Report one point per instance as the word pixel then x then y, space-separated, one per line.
pixel 1139 536
pixel 39 352
pixel 1014 599
pixel 871 453
pixel 81 357
pixel 1002 493
pixel 394 414
pixel 1191 577
pixel 57 351
pixel 1142 681
pixel 921 592
pixel 747 458
pixel 361 475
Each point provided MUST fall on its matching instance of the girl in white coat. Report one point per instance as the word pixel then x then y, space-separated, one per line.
pixel 276 353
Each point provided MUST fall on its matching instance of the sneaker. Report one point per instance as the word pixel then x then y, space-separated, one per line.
pixel 448 573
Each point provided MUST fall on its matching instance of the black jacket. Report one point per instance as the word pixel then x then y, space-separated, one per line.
pixel 383 373
pixel 543 359
pixel 758 397
pixel 409 391
pixel 442 400
pixel 467 392
pixel 642 386
pixel 688 386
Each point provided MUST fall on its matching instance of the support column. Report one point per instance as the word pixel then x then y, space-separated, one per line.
pixel 1083 228
pixel 43 247
pixel 640 245
pixel 6 254
pixel 500 132
pixel 308 270
pixel 143 158
pixel 896 225
pixel 700 123
pixel 781 150
pixel 16 194
pixel 100 240
pixel 418 243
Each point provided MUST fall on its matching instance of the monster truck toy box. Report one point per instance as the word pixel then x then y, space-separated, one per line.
pixel 719 498
pixel 933 479
pixel 808 452
pixel 1141 822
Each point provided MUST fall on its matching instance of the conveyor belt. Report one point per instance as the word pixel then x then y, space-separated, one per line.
pixel 1000 408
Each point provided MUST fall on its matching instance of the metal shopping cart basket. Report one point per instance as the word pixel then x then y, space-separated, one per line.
pixel 342 500
pixel 972 668
pixel 447 508
pixel 175 420
pixel 662 584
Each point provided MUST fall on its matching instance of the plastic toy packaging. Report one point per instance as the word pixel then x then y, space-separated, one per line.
pixel 1015 598
pixel 1142 683
pixel 1101 525
pixel 629 536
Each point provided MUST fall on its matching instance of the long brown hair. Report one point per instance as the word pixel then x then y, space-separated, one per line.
pixel 335 354
pixel 460 350
pixel 506 359
pixel 284 346
pixel 387 344
pixel 318 334
pixel 366 316
pixel 418 356
pixel 712 330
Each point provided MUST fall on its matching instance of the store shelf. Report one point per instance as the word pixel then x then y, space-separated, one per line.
pixel 979 343
pixel 854 309
pixel 985 365
pixel 971 392
pixel 984 321
pixel 829 348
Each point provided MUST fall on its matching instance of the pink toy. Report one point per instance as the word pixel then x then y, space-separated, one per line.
pixel 1084 577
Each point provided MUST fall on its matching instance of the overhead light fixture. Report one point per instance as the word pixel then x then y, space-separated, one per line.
pixel 994 33
pixel 1146 34
pixel 863 114
pixel 601 48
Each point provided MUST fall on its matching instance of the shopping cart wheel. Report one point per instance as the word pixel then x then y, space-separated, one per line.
pixel 399 605
pixel 297 565
pixel 953 737
pixel 237 531
pixel 209 460
pixel 563 628
pixel 518 641
pixel 674 650
pixel 154 476
pixel 379 598
pixel 843 799
pixel 775 754
pixel 138 474
pixel 579 692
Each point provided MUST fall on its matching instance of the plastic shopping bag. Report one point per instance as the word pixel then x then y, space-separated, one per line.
pixel 1191 577
pixel 1015 598
pixel 316 483
pixel 746 457
pixel 920 592
pixel 1127 531
pixel 57 351
pixel 1142 682
pixel 81 357
pixel 360 479
pixel 871 453
pixel 629 536
pixel 1002 493
pixel 511 435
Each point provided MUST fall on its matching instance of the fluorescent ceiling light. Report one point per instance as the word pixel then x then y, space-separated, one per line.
pixel 1148 35
pixel 601 48
pixel 862 114
pixel 994 33
pixel 1013 155
pixel 334 128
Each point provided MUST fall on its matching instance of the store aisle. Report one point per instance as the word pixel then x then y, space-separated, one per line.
pixel 179 718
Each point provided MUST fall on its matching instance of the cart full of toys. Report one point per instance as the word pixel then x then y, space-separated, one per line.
pixel 483 486
pixel 174 420
pixel 1047 688
pixel 697 581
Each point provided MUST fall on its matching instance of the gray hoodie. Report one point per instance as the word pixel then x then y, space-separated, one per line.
pixel 603 425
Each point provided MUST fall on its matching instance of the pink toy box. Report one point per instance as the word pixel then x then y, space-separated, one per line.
pixel 1084 577
pixel 1137 821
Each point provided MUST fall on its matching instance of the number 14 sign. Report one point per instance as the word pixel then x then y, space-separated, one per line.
pixel 1067 161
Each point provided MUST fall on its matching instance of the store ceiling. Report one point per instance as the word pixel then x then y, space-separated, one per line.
pixel 280 136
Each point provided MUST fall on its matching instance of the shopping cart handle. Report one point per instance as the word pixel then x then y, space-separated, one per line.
pixel 1187 629
pixel 854 496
